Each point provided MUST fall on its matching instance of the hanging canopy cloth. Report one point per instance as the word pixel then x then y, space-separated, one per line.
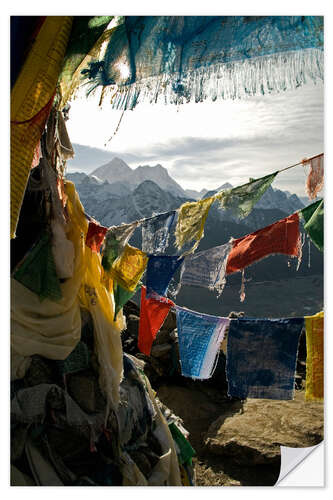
pixel 176 59
pixel 32 96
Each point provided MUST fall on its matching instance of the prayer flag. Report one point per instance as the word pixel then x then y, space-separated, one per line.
pixel 199 337
pixel 155 232
pixel 160 270
pixel 128 268
pixel 207 268
pixel 153 311
pixel 95 236
pixel 122 296
pixel 314 329
pixel 261 357
pixel 241 200
pixel 281 237
pixel 192 216
pixel 313 216
pixel 315 179
pixel 31 102
pixel 115 240
pixel 178 59
pixel 37 271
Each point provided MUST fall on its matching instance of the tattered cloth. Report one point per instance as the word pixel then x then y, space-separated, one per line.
pixel 192 216
pixel 155 233
pixel 199 338
pixel 37 271
pixel 315 179
pixel 241 199
pixel 153 311
pixel 115 241
pixel 281 237
pixel 207 268
pixel 261 357
pixel 160 270
pixel 31 101
pixel 176 59
pixel 313 216
pixel 50 329
pixel 314 329
pixel 128 268
pixel 95 236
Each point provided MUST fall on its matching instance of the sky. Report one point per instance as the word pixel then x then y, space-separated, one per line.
pixel 204 145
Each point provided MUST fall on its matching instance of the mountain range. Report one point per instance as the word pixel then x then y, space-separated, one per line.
pixel 115 193
pixel 116 179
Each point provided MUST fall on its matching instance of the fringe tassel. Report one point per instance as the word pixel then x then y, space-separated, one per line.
pixel 242 290
pixel 300 244
pixel 233 80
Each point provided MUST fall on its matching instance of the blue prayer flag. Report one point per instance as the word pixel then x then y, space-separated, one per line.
pixel 199 339
pixel 261 357
pixel 155 232
pixel 160 270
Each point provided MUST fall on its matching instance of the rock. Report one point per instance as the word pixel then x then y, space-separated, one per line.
pixel 163 337
pixel 41 371
pixel 170 322
pixel 133 325
pixel 160 350
pixel 253 435
pixel 18 437
pixel 84 389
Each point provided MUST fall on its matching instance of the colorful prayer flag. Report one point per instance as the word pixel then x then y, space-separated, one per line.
pixel 241 199
pixel 155 233
pixel 95 236
pixel 128 268
pixel 122 296
pixel 314 329
pixel 31 102
pixel 199 338
pixel 160 270
pixel 313 216
pixel 153 311
pixel 192 216
pixel 37 271
pixel 115 240
pixel 261 357
pixel 207 268
pixel 281 237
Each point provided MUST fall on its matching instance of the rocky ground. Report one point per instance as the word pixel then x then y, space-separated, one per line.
pixel 236 442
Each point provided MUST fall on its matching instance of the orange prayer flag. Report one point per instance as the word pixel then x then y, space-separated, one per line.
pixel 153 312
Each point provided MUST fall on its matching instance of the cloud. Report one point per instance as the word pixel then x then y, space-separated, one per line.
pixel 205 146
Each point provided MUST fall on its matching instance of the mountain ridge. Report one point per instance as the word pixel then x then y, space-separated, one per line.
pixel 117 170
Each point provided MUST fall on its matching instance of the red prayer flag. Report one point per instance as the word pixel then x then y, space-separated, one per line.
pixel 281 237
pixel 153 312
pixel 95 236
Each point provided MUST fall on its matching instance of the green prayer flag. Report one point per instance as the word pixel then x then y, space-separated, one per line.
pixel 313 216
pixel 110 252
pixel 76 361
pixel 121 296
pixel 185 451
pixel 241 199
pixel 37 271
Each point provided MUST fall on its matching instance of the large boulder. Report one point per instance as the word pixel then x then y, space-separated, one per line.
pixel 253 434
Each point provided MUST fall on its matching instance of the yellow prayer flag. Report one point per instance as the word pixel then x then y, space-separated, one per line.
pixel 31 101
pixel 128 268
pixel 192 216
pixel 314 327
